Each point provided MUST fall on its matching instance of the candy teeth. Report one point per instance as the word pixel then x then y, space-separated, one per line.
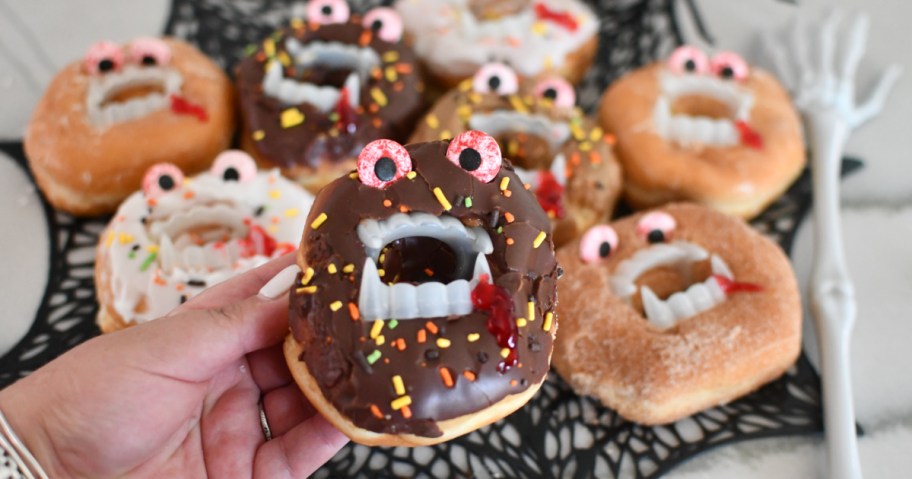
pixel 104 87
pixel 689 130
pixel 505 121
pixel 622 282
pixel 464 241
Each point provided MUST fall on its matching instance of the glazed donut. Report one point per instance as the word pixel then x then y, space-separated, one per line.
pixel 426 305
pixel 713 131
pixel 454 38
pixel 313 94
pixel 105 120
pixel 178 236
pixel 565 158
pixel 669 312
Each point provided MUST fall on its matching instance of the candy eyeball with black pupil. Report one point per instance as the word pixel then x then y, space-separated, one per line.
pixel 382 163
pixel 385 23
pixel 598 243
pixel 149 52
pixel 103 57
pixel 328 12
pixel 495 78
pixel 558 91
pixel 477 153
pixel 161 179
pixel 729 66
pixel 688 59
pixel 234 166
pixel 656 227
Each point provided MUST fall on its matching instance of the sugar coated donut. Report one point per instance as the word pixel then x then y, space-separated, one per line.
pixel 178 236
pixel 313 94
pixel 454 38
pixel 669 312
pixel 425 308
pixel 713 131
pixel 559 152
pixel 105 120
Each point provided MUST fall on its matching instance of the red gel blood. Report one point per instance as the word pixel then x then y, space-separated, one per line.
pixel 728 286
pixel 257 242
pixel 495 301
pixel 549 194
pixel 563 19
pixel 346 113
pixel 749 136
pixel 181 106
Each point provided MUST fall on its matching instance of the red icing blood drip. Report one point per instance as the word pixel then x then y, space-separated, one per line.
pixel 563 19
pixel 749 136
pixel 550 194
pixel 258 241
pixel 181 106
pixel 729 286
pixel 495 301
pixel 346 113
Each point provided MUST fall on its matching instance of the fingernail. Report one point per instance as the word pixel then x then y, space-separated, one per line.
pixel 280 283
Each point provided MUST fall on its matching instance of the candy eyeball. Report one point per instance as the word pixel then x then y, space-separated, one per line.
pixel 729 66
pixel 149 52
pixel 234 165
pixel 103 57
pixel 656 227
pixel 328 12
pixel 558 91
pixel 382 163
pixel 495 78
pixel 477 153
pixel 688 59
pixel 598 243
pixel 161 179
pixel 385 23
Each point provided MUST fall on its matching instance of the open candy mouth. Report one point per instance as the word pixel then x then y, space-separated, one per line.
pixel 131 94
pixel 695 110
pixel 694 298
pixel 348 68
pixel 426 285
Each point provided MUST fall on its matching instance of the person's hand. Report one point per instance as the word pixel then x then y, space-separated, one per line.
pixel 178 396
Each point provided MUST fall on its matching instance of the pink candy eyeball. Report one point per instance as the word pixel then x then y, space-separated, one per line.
pixel 103 57
pixel 729 66
pixel 161 179
pixel 149 52
pixel 656 227
pixel 558 91
pixel 688 59
pixel 382 163
pixel 327 12
pixel 234 165
pixel 598 243
pixel 476 152
pixel 385 22
pixel 495 78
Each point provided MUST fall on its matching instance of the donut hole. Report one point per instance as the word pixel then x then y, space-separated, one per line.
pixel 487 10
pixel 421 259
pixel 701 106
pixel 130 92
pixel 665 281
pixel 325 76
pixel 525 150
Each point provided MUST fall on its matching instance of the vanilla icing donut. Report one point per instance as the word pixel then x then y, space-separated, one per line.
pixel 178 236
pixel 715 131
pixel 564 157
pixel 425 309
pixel 454 38
pixel 105 120
pixel 672 311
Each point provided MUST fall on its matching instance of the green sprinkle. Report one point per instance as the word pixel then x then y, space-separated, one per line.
pixel 468 202
pixel 374 356
pixel 148 261
pixel 500 229
pixel 132 255
pixel 392 324
pixel 333 117
pixel 250 49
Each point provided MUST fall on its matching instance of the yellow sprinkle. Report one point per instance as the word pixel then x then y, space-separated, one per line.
pixel 307 290
pixel 518 104
pixel 332 268
pixel 548 63
pixel 577 132
pixel 125 238
pixel 391 75
pixel 520 322
pixel 391 56
pixel 446 134
pixel 152 248
pixel 539 28
pixel 547 324
pixel 531 305
pixel 443 343
pixel 401 402
pixel 504 352
pixel 443 199
pixel 465 85
pixel 596 134
pixel 432 121
pixel 504 183
pixel 398 385
pixel 110 239
pixel 275 194
pixel 318 222
pixel 284 59
pixel 380 340
pixel 472 337
pixel 307 276
pixel 335 306
pixel 376 328
pixel 291 117
pixel 273 229
pixel 475 97
pixel 381 272
pixel 353 175
pixel 258 135
pixel 464 112
pixel 292 212
pixel 378 96
pixel 411 175
pixel 297 23
pixel 585 146
pixel 348 268
pixel 539 239
pixel 269 47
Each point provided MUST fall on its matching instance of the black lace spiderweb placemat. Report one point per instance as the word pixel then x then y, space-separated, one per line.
pixel 558 434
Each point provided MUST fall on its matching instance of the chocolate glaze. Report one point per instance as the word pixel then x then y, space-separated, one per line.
pixel 318 139
pixel 336 347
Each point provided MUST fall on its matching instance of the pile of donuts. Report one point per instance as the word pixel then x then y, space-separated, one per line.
pixel 431 169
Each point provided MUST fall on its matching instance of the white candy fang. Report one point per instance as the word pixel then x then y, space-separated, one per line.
pixel 102 113
pixel 689 130
pixel 507 121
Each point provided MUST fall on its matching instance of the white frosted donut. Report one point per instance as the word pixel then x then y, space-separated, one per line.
pixel 178 236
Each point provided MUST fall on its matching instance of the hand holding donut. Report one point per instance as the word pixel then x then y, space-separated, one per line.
pixel 177 397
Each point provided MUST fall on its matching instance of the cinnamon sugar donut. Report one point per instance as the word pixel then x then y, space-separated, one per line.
pixel 178 236
pixel 669 312
pixel 425 308
pixel 454 38
pixel 314 93
pixel 105 120
pixel 565 158
pixel 713 131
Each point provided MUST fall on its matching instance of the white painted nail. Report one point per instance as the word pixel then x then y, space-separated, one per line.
pixel 280 283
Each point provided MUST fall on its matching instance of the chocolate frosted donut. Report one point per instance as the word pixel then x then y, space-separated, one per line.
pixel 314 93
pixel 426 306
pixel 567 159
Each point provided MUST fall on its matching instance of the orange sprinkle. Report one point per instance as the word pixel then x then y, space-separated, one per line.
pixel 431 327
pixel 514 41
pixel 513 382
pixel 509 216
pixel 373 108
pixel 376 411
pixel 398 86
pixel 594 157
pixel 575 158
pixel 377 122
pixel 353 311
pixel 180 287
pixel 151 201
pixel 387 203
pixel 403 209
pixel 403 68
pixel 400 344
pixel 609 138
pixel 159 281
pixel 446 376
pixel 508 193
pixel 469 375
pixel 422 335
pixel 366 36
pixel 406 412
pixel 429 271
pixel 188 195
pixel 510 241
